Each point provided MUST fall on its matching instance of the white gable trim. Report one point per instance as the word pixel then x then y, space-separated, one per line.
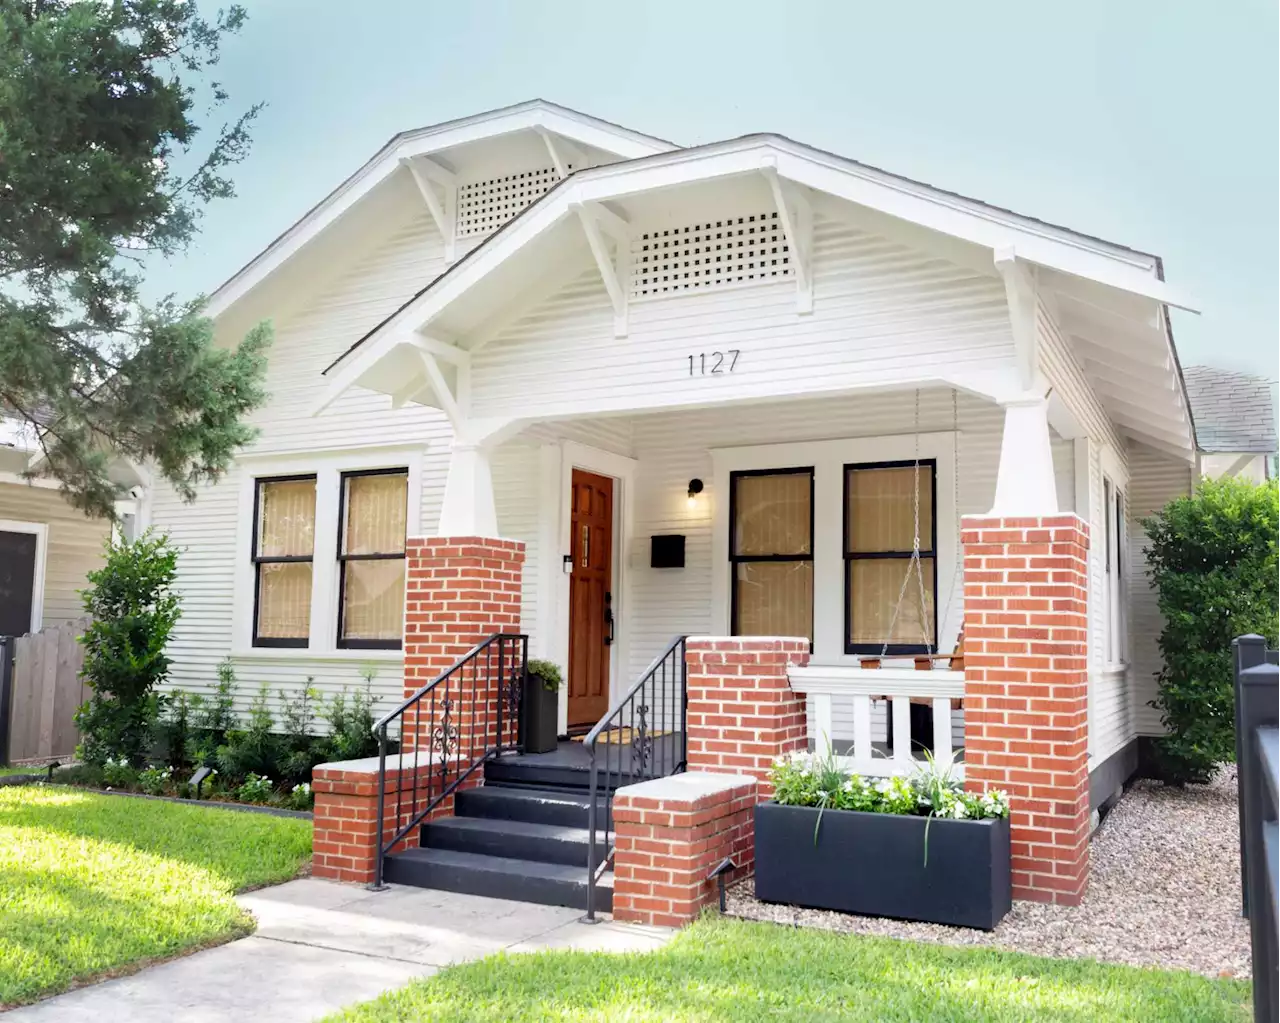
pixel 1009 235
pixel 537 115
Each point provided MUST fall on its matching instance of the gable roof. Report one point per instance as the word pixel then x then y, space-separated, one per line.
pixel 531 114
pixel 1233 412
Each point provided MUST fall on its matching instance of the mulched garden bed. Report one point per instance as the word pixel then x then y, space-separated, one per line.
pixel 1164 891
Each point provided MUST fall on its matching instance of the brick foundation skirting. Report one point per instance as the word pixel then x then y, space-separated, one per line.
pixel 1026 711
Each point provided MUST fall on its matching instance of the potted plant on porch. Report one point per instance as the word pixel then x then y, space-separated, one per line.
pixel 541 704
pixel 916 848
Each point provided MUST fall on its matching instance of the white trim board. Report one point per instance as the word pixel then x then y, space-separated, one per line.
pixel 41 531
pixel 828 459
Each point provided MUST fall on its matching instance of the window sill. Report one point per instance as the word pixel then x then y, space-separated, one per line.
pixel 1118 668
pixel 297 653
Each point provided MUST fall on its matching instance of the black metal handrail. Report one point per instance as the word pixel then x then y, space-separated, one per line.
pixel 472 714
pixel 644 735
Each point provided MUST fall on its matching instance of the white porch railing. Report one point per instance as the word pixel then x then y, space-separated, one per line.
pixel 832 688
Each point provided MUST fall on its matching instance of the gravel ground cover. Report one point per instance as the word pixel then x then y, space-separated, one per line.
pixel 1164 891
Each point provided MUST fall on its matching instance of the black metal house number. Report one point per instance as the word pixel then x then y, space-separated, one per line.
pixel 712 363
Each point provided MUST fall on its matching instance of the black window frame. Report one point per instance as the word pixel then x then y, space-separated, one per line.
pixel 364 644
pixel 893 649
pixel 736 559
pixel 292 642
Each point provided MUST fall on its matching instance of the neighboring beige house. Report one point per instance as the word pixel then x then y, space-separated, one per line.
pixel 46 546
pixel 1235 419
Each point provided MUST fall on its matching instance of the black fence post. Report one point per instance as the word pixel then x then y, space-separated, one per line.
pixel 6 694
pixel 1247 652
pixel 1257 690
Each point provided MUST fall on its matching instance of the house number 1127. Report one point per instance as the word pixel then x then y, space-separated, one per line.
pixel 711 363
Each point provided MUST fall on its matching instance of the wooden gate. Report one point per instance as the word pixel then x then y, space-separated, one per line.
pixel 45 691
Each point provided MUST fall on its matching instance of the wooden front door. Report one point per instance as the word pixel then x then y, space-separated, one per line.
pixel 590 598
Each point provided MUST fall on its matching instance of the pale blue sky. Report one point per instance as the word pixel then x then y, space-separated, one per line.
pixel 1152 123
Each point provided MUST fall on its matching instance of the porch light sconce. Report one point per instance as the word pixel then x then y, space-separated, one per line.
pixel 695 488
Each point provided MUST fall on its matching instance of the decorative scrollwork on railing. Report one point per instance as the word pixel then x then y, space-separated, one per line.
pixel 444 736
pixel 642 744
pixel 512 690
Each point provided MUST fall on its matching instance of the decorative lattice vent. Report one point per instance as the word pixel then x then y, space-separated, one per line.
pixel 719 253
pixel 484 206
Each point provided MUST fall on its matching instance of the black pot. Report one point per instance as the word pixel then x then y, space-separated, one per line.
pixel 538 713
pixel 875 864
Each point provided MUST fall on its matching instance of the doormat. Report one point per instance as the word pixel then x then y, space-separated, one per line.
pixel 621 736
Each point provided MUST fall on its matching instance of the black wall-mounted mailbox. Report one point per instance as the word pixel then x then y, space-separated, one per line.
pixel 666 551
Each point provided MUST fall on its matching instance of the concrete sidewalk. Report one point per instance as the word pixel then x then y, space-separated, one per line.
pixel 320 946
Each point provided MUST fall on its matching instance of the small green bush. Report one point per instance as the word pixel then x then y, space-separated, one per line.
pixel 1212 557
pixel 155 781
pixel 118 773
pixel 253 749
pixel 299 749
pixel 175 733
pixel 547 672
pixel 214 716
pixel 133 608
pixel 300 796
pixel 350 721
pixel 255 789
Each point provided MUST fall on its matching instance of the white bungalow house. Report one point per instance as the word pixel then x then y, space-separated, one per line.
pixel 720 389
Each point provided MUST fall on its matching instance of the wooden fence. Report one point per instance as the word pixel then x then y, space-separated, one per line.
pixel 44 692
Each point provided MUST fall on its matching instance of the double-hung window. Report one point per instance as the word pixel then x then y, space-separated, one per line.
pixel 889 607
pixel 283 555
pixel 371 533
pixel 771 552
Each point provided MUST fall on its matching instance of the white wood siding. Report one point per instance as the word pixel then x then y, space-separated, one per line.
pixel 207 530
pixel 883 313
pixel 1154 480
pixel 74 545
pixel 1111 723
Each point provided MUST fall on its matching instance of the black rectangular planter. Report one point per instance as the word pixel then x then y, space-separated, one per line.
pixel 874 864
pixel 538 712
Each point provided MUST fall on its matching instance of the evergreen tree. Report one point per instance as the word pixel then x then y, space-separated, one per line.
pixel 97 101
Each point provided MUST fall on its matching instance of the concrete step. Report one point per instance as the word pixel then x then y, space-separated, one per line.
pixel 513 839
pixel 498 877
pixel 560 807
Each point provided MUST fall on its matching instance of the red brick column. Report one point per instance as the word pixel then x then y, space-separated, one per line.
pixel 670 833
pixel 1026 691
pixel 346 815
pixel 458 592
pixel 742 711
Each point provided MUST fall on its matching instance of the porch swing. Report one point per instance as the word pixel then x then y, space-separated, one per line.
pixel 927 660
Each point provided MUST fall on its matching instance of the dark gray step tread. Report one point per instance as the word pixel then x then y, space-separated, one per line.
pixel 524 829
pixel 503 865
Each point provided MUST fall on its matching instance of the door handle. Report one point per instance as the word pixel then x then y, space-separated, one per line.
pixel 608 617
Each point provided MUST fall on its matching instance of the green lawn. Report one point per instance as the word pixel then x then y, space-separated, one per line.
pixel 91 882
pixel 734 971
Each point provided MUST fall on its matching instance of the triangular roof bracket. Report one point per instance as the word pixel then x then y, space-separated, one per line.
pixel 564 154
pixel 796 216
pixel 615 269
pixel 427 174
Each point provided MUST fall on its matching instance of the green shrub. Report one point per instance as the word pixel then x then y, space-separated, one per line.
pixel 255 789
pixel 175 733
pixel 1212 558
pixel 300 796
pixel 299 749
pixel 118 773
pixel 350 722
pixel 133 609
pixel 547 672
pixel 154 781
pixel 253 749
